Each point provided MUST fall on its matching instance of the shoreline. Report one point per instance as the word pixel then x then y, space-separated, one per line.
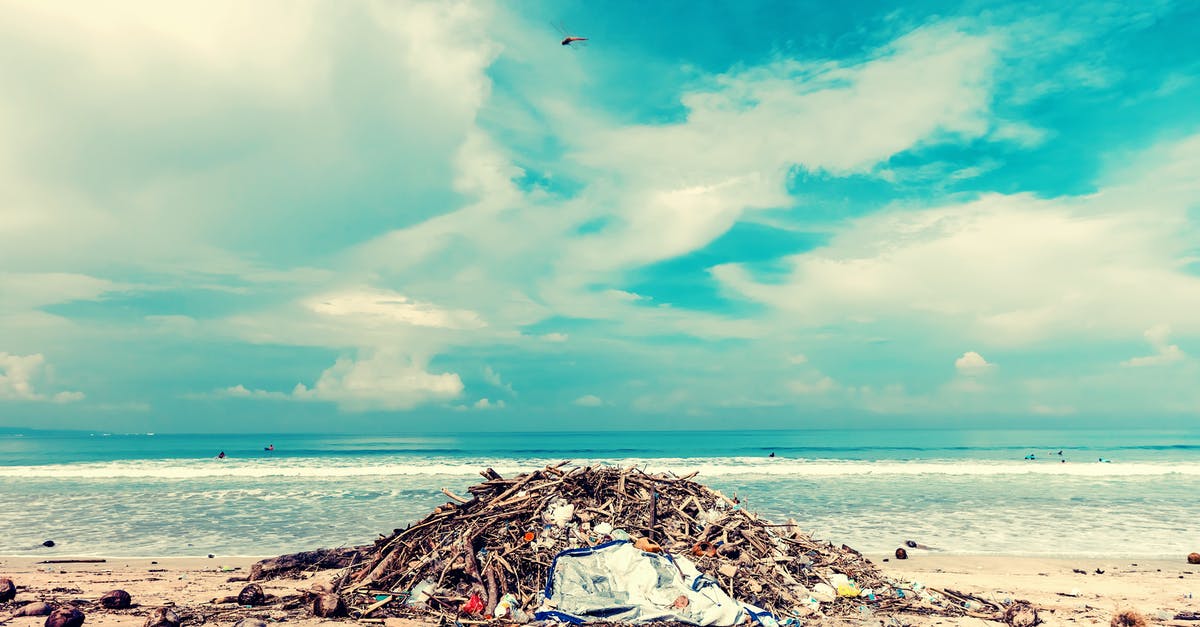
pixel 1154 587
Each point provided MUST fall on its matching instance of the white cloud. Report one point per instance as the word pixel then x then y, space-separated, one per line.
pixel 972 364
pixel 588 400
pixel 241 391
pixel 1020 133
pixel 555 337
pixel 1164 353
pixel 484 403
pixel 818 386
pixel 19 377
pixel 1096 265
pixel 493 378
pixel 383 306
pixel 384 380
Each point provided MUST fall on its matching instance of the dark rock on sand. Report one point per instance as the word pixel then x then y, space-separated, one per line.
pixel 1194 558
pixel 116 600
pixel 65 617
pixel 327 605
pixel 37 608
pixel 162 617
pixel 901 554
pixel 48 543
pixel 8 590
pixel 251 595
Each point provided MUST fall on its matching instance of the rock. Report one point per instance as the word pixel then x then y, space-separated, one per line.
pixel 1128 618
pixel 1021 614
pixel 901 554
pixel 66 616
pixel 251 595
pixel 162 617
pixel 8 590
pixel 1194 558
pixel 37 608
pixel 286 565
pixel 116 600
pixel 251 622
pixel 320 587
pixel 48 543
pixel 327 605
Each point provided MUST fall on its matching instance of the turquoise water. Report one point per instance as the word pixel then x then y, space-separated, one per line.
pixel 963 491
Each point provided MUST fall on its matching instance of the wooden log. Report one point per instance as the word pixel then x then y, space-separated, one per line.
pixel 295 563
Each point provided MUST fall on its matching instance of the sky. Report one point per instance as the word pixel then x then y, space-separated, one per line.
pixel 431 216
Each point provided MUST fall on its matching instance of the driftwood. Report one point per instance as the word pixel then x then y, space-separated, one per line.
pixel 503 539
pixel 306 561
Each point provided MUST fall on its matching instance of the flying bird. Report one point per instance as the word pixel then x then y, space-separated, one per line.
pixel 568 38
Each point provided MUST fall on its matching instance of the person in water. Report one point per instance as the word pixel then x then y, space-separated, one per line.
pixel 270 447
pixel 221 455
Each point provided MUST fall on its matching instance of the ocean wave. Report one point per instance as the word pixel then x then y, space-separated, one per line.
pixel 325 468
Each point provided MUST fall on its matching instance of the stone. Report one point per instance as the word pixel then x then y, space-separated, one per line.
pixel 1194 558
pixel 8 590
pixel 65 617
pixel 162 617
pixel 251 622
pixel 116 600
pixel 901 554
pixel 251 595
pixel 37 608
pixel 328 605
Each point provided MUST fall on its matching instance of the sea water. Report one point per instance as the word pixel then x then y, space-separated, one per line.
pixel 962 491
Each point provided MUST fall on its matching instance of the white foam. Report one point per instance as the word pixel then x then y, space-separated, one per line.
pixel 318 468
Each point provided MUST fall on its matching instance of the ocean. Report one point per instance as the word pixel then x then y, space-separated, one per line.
pixel 961 491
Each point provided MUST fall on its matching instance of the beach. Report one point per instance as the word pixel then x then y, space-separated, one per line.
pixel 1156 588
pixel 1078 539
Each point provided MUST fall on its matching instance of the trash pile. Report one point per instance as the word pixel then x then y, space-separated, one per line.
pixel 493 555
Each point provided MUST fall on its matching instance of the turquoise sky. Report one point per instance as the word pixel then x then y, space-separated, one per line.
pixel 392 216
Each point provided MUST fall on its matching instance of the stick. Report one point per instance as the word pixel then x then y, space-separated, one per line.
pixel 455 497
pixel 72 561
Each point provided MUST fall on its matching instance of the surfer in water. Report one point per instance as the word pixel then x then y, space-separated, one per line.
pixel 221 455
pixel 269 447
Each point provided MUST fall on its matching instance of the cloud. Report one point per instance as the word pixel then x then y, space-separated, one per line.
pixel 555 337
pixel 384 380
pixel 972 364
pixel 382 306
pixel 588 400
pixel 1085 266
pixel 241 391
pixel 1164 353
pixel 484 403
pixel 20 374
pixel 493 378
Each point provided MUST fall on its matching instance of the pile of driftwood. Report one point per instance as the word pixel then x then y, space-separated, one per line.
pixel 502 540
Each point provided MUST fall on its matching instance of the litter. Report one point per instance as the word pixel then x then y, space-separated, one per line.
pixel 533 542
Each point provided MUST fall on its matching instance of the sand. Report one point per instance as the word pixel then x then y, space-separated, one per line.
pixel 1155 588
